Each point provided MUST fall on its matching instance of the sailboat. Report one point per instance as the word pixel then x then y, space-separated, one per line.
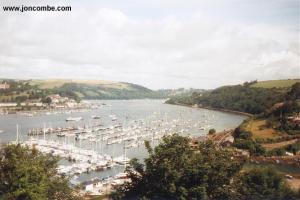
pixel 77 119
pixel 122 160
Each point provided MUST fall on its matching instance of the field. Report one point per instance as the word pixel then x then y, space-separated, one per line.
pixel 276 83
pixel 52 83
pixel 259 129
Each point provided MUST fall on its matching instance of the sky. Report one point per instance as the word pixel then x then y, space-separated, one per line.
pixel 156 43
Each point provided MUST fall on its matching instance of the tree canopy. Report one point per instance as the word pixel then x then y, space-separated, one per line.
pixel 174 170
pixel 26 174
pixel 262 183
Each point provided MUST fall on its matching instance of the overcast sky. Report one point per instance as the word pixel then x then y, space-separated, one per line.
pixel 155 43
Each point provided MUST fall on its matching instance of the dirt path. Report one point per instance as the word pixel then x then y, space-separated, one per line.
pixel 271 146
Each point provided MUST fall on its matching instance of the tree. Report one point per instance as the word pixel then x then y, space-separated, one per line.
pixel 294 93
pixel 262 183
pixel 175 171
pixel 28 174
pixel 47 100
pixel 211 131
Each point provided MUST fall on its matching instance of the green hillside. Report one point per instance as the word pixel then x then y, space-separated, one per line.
pixel 250 97
pixel 21 90
pixel 276 83
pixel 94 89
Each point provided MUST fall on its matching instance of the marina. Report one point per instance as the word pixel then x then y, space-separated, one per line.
pixel 99 142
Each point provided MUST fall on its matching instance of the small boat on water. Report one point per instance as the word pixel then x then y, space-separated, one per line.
pixel 26 114
pixel 96 117
pixel 76 119
pixel 113 117
pixel 61 134
pixel 121 160
pixel 1 131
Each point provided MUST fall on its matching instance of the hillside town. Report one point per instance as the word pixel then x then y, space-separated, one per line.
pixel 51 102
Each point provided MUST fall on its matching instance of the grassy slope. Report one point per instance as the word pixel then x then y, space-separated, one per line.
pixel 96 89
pixel 276 83
pixel 91 89
pixel 52 83
pixel 259 130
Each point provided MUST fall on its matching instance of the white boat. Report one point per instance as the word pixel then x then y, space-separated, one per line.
pixel 1 131
pixel 61 134
pixel 27 114
pixel 121 160
pixel 74 119
pixel 96 117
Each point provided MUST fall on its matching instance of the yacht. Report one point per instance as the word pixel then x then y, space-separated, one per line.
pixel 77 119
pixel 96 117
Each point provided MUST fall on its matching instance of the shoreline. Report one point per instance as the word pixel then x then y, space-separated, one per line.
pixel 215 109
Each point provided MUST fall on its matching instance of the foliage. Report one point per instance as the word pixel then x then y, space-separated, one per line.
pixel 241 98
pixel 276 152
pixel 77 90
pixel 239 133
pixel 243 141
pixel 249 144
pixel 211 131
pixel 175 171
pixel 294 93
pixel 262 183
pixel 47 100
pixel 276 83
pixel 27 174
pixel 293 148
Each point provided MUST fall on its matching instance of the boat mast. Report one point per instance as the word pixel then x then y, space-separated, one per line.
pixel 125 153
pixel 17 139
pixel 44 131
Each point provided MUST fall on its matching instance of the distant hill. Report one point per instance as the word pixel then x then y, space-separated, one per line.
pixel 82 89
pixel 250 97
pixel 95 89
pixel 276 83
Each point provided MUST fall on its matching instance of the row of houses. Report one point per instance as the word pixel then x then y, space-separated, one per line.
pixel 58 101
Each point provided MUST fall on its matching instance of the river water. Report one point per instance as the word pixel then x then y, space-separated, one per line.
pixel 184 120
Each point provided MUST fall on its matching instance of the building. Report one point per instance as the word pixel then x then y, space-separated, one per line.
pixel 55 98
pixel 93 187
pixel 4 86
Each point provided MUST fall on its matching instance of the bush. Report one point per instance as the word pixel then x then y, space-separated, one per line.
pixel 262 183
pixel 203 174
pixel 276 152
pixel 27 174
pixel 294 148
pixel 211 131
pixel 248 144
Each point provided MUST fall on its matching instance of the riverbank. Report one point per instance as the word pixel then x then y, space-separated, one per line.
pixel 215 109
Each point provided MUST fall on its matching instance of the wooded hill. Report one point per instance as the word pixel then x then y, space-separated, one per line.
pixel 21 90
pixel 251 97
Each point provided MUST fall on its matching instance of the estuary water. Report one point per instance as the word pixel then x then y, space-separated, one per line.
pixel 133 115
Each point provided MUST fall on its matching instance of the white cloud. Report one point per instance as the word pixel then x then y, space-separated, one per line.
pixel 166 51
